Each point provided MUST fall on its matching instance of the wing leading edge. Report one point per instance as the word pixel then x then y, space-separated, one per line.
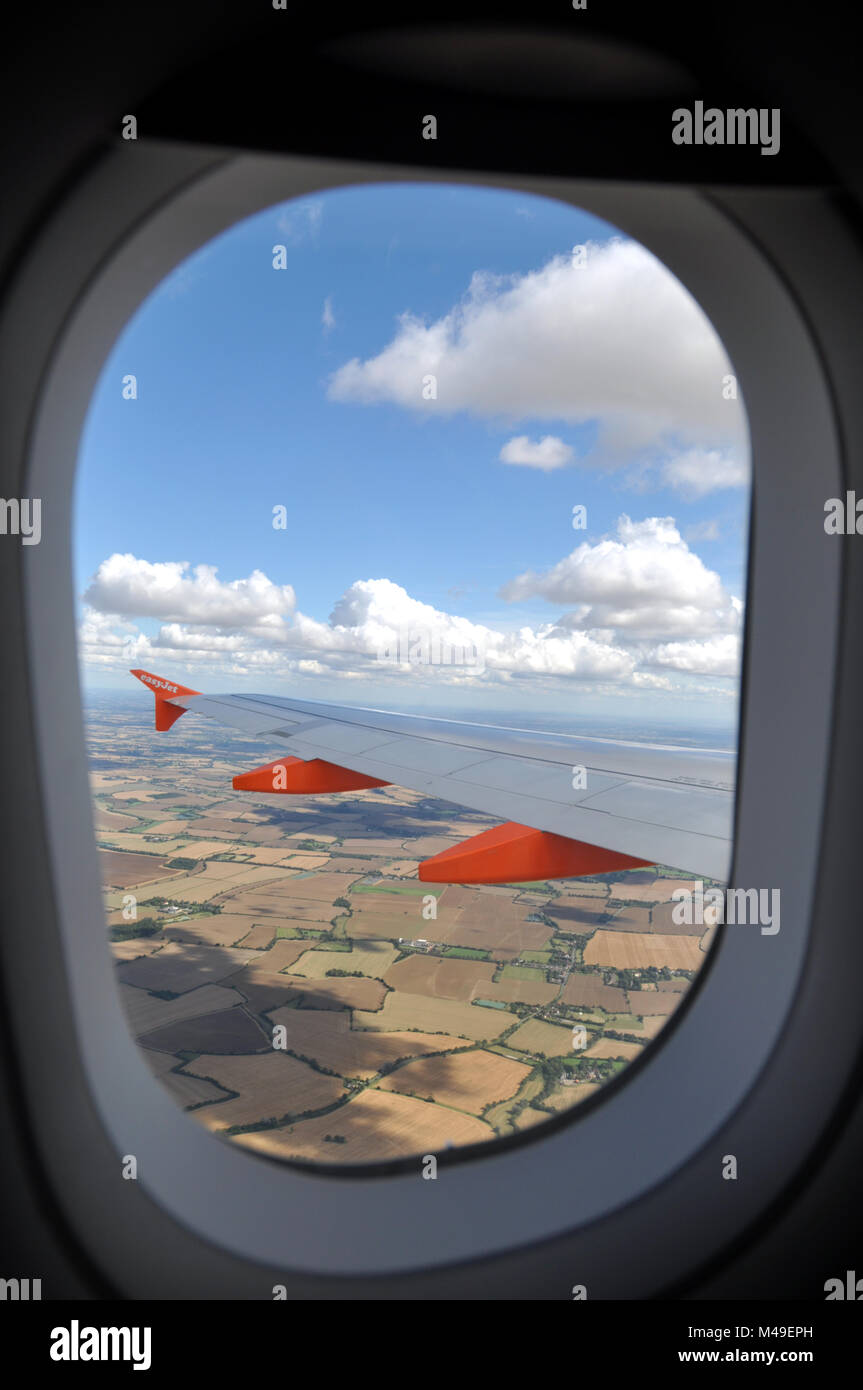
pixel 574 805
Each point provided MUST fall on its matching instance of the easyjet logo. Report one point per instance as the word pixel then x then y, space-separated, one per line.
pixel 161 685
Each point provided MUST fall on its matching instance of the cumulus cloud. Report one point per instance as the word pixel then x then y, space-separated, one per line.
pixel 696 472
pixel 172 591
pixel 373 615
pixel 645 582
pixel 375 620
pixel 640 606
pixel 547 453
pixel 717 656
pixel 618 342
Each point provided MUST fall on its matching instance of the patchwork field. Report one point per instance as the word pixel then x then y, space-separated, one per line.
pixel 579 915
pixel 306 913
pixel 408 1011
pixel 123 870
pixel 134 947
pixel 373 959
pixel 336 993
pixel 146 1012
pixel 564 1097
pixel 590 992
pixel 648 1002
pixel 328 1038
pixel 178 968
pixel 612 1047
pixel 388 916
pixel 544 1039
pixel 375 1126
pixel 629 919
pixel 269 1086
pixel 635 950
pixel 466 1081
pixel 524 991
pixel 441 979
pixel 213 929
pixel 230 1030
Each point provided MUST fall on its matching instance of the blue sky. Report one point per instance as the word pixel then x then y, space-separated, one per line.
pixel 302 387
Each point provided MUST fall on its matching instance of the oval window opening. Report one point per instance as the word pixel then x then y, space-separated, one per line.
pixel 455 481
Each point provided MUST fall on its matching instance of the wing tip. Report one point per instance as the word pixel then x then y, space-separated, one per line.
pixel 163 690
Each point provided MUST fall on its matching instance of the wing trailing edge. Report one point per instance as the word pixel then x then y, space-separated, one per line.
pixel 518 854
pixel 634 804
pixel 298 777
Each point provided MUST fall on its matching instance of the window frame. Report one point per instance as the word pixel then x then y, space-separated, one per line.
pixel 664 1112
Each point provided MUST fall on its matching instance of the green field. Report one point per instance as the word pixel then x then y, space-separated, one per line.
pixel 466 953
pixel 624 1023
pixel 522 972
pixel 541 957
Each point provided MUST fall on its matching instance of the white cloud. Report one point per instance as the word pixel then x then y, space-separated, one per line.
pixel 547 453
pixel 300 220
pixel 372 613
pixel 703 531
pixel 644 605
pixel 619 342
pixel 644 680
pixel 700 471
pixel 717 656
pixel 328 318
pixel 370 618
pixel 646 582
pixel 170 591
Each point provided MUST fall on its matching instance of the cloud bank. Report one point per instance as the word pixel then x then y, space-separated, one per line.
pixel 636 606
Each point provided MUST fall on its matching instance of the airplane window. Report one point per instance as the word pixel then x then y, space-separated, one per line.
pixel 447 488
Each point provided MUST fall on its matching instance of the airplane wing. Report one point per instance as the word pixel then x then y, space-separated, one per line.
pixel 573 804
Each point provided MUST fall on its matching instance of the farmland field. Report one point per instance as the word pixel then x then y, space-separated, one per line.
pixel 633 950
pixel 269 1086
pixel 542 1038
pixel 328 1038
pixel 124 870
pixel 375 1125
pixel 467 1081
pixel 301 922
pixel 401 1010
pixel 374 959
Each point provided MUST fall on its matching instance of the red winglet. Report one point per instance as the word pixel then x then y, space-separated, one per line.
pixel 166 712
pixel 513 853
pixel 296 776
